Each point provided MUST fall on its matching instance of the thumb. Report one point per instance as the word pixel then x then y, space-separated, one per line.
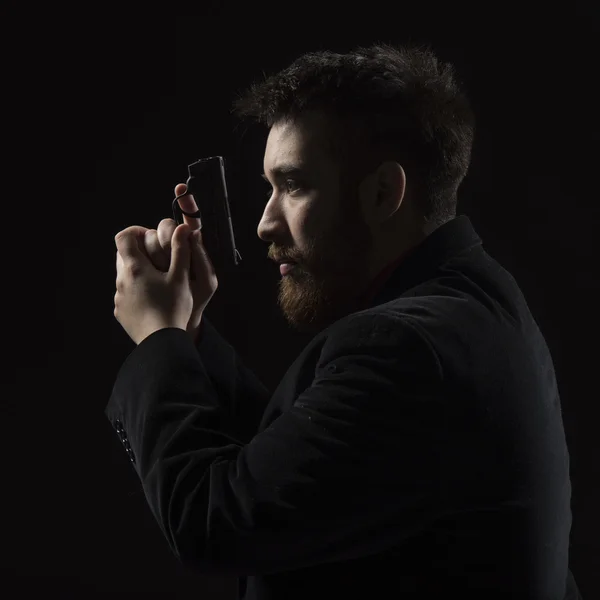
pixel 180 252
pixel 199 255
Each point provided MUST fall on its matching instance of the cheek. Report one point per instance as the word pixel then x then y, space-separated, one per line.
pixel 306 220
pixel 312 233
pixel 325 223
pixel 301 228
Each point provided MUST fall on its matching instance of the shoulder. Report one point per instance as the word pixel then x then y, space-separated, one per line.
pixel 380 338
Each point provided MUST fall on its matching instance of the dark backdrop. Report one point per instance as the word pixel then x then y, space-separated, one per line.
pixel 104 107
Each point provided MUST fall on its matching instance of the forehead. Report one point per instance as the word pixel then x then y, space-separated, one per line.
pixel 301 142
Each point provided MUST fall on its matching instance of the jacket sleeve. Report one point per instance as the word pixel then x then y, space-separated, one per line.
pixel 355 465
pixel 239 390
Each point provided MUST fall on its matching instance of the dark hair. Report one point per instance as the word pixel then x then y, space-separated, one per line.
pixel 384 103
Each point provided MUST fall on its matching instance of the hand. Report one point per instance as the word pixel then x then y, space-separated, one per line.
pixel 204 282
pixel 147 299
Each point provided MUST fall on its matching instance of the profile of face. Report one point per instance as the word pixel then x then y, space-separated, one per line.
pixel 314 218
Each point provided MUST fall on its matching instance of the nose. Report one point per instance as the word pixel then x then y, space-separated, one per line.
pixel 271 226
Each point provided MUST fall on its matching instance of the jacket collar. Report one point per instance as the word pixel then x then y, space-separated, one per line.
pixel 419 263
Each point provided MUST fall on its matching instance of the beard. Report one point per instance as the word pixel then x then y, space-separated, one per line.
pixel 328 282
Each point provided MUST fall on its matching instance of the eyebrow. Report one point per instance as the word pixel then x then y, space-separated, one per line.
pixel 284 169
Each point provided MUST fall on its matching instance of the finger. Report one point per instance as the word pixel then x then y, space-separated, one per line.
pixel 121 276
pixel 135 230
pixel 119 266
pixel 165 229
pixel 188 204
pixel 128 243
pixel 157 255
pixel 201 265
pixel 180 256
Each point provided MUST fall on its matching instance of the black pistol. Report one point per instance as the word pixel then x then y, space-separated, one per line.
pixel 207 183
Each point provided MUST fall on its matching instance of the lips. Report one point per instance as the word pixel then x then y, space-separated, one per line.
pixel 285 268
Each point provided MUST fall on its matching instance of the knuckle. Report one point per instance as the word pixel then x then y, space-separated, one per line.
pixel 151 240
pixel 166 228
pixel 126 232
pixel 135 270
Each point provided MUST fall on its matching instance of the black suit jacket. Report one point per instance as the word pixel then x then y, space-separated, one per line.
pixel 414 449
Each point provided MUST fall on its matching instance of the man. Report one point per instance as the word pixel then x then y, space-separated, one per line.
pixel 416 446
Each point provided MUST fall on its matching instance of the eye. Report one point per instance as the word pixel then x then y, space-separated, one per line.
pixel 288 182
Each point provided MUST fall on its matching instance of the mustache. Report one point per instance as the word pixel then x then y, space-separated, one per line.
pixel 280 257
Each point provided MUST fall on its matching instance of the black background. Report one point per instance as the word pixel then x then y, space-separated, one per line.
pixel 104 108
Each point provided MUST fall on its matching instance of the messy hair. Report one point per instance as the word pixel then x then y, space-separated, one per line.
pixel 381 103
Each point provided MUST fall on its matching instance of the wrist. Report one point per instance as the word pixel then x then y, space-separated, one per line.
pixel 193 329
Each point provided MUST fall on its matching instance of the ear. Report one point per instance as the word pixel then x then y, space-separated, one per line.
pixel 390 189
pixel 382 192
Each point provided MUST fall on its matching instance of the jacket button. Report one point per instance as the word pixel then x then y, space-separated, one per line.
pixel 118 425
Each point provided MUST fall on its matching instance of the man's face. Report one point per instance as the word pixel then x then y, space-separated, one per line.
pixel 314 219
